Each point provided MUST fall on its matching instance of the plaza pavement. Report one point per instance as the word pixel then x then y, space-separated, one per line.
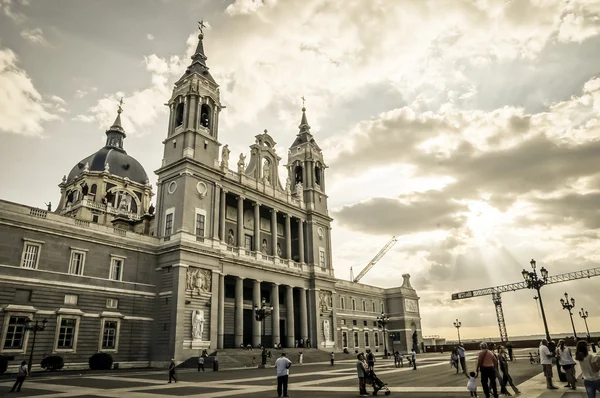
pixel 434 378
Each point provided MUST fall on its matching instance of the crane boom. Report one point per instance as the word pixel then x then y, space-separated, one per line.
pixel 375 259
pixel 511 287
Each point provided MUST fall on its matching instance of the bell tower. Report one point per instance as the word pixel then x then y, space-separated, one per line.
pixel 194 108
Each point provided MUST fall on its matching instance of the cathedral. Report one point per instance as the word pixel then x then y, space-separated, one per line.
pixel 148 276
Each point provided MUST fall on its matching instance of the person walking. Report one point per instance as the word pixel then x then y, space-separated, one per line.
pixel 503 390
pixel 370 360
pixel 300 358
pixel 546 361
pixel 332 358
pixel 506 378
pixel 472 384
pixel 362 372
pixel 509 347
pixel 566 361
pixel 22 373
pixel 282 364
pixel 397 359
pixel 460 351
pixel 200 363
pixel 486 365
pixel 454 359
pixel 172 371
pixel 413 357
pixel 590 368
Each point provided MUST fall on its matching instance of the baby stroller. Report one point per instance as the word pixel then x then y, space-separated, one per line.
pixel 378 385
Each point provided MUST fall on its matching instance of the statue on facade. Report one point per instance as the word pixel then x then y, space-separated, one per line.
pixel 263 248
pixel 197 324
pixel 106 167
pixel 225 157
pixel 241 164
pixel 231 238
pixel 151 209
pixel 64 179
pixel 326 330
pixel 267 172
pixel 125 202
pixel 300 191
pixel 288 185
pixel 86 168
pixel 279 250
pixel 415 338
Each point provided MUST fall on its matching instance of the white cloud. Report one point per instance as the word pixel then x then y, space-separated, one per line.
pixel 150 36
pixel 35 36
pixel 59 100
pixel 22 108
pixel 8 9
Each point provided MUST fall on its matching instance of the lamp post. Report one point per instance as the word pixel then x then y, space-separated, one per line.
pixel 457 325
pixel 536 282
pixel 382 321
pixel 584 315
pixel 260 314
pixel 36 327
pixel 568 304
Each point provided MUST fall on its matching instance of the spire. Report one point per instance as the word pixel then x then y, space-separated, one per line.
pixel 304 134
pixel 115 134
pixel 198 64
pixel 304 127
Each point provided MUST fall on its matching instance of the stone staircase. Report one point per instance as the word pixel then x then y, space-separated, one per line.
pixel 231 358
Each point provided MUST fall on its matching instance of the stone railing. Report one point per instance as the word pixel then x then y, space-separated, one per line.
pixel 38 212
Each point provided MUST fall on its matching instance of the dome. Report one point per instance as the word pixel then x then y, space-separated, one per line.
pixel 119 162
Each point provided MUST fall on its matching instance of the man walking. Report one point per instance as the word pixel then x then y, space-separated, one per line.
pixel 200 363
pixel 21 375
pixel 413 356
pixel 172 371
pixel 332 357
pixel 461 358
pixel 546 361
pixel 486 365
pixel 282 364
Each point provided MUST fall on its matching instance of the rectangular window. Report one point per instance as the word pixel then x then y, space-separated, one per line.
pixel 355 339
pixel 66 333
pixel 382 308
pixel 376 339
pixel 374 310
pixel 343 303
pixel 71 299
pixel 169 223
pixel 31 254
pixel 322 262
pixel 15 333
pixel 344 339
pixel 353 305
pixel 109 335
pixel 343 321
pixel 354 322
pixel 374 323
pixel 77 262
pixel 364 323
pixel 112 303
pixel 116 268
pixel 366 339
pixel 364 304
pixel 200 221
pixel 248 242
pixel 95 218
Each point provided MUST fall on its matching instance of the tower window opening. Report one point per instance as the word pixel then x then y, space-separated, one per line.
pixel 298 174
pixel 93 189
pixel 318 175
pixel 174 143
pixel 205 116
pixel 205 144
pixel 179 115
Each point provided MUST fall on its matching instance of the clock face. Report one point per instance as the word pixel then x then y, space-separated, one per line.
pixel 249 219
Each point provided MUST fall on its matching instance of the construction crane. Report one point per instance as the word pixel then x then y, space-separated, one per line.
pixel 511 287
pixel 374 261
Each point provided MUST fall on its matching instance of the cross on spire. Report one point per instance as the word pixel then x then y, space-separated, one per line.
pixel 303 100
pixel 120 109
pixel 201 25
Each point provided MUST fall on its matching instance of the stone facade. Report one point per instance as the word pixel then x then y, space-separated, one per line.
pixel 148 286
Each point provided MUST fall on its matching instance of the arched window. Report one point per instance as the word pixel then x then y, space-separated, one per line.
pixel 179 115
pixel 93 189
pixel 317 175
pixel 205 116
pixel 298 174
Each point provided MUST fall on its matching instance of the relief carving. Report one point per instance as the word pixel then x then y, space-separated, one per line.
pixel 325 300
pixel 198 280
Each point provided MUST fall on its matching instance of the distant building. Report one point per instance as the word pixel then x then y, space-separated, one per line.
pixel 111 273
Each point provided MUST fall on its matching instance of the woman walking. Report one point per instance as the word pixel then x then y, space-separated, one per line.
pixel 454 359
pixel 362 371
pixel 590 366
pixel 506 379
pixel 565 360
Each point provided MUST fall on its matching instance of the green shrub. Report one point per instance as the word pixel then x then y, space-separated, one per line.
pixel 101 361
pixel 3 364
pixel 52 363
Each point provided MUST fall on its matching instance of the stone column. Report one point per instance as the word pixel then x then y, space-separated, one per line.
pixel 257 243
pixel 289 308
pixel 274 232
pixel 223 204
pixel 301 240
pixel 215 302
pixel 171 120
pixel 216 216
pixel 275 314
pixel 191 112
pixel 303 315
pixel 288 237
pixel 239 312
pixel 221 332
pixel 256 325
pixel 240 221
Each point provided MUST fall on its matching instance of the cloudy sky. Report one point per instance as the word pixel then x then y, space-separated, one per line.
pixel 468 129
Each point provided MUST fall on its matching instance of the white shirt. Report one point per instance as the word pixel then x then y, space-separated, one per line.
pixel 564 356
pixel 545 355
pixel 472 384
pixel 282 366
pixel 201 361
pixel 586 367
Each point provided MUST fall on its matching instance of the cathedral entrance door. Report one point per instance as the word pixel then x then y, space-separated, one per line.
pixel 248 319
pixel 282 331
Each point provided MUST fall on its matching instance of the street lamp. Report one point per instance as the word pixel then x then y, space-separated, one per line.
pixel 261 313
pixel 36 327
pixel 382 322
pixel 536 282
pixel 568 304
pixel 457 325
pixel 584 315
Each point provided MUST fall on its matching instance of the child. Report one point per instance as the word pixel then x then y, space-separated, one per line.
pixel 472 384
